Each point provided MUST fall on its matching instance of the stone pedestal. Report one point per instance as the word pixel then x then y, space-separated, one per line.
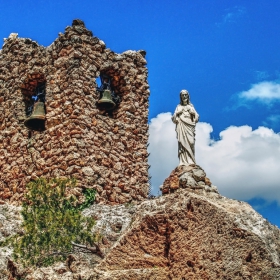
pixel 192 177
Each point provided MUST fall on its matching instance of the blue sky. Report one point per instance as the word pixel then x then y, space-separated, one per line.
pixel 225 53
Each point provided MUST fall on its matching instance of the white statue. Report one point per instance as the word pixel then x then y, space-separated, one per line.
pixel 185 118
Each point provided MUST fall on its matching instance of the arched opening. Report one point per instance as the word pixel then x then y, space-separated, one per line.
pixel 34 95
pixel 108 99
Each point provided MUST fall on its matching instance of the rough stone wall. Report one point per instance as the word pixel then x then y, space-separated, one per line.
pixel 105 152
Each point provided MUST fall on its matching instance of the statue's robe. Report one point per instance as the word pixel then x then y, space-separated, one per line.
pixel 185 129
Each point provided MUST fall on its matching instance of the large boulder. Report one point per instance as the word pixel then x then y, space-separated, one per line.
pixel 187 235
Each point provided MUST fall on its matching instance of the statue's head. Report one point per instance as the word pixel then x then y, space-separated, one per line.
pixel 184 97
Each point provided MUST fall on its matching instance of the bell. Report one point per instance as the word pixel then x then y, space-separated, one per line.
pixel 37 119
pixel 106 103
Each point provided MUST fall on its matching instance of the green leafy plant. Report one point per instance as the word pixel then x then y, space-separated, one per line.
pixel 52 222
pixel 89 198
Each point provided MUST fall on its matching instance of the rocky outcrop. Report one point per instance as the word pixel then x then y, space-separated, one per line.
pixel 195 235
pixel 111 223
pixel 10 223
pixel 190 234
pixel 191 176
pixel 104 151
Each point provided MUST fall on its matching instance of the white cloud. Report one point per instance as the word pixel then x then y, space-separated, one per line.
pixel 243 164
pixel 162 149
pixel 265 92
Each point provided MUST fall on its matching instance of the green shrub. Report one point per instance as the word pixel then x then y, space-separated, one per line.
pixel 51 221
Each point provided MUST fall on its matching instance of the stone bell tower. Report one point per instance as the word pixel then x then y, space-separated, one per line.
pixel 103 150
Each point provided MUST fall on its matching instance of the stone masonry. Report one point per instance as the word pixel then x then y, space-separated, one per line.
pixel 104 151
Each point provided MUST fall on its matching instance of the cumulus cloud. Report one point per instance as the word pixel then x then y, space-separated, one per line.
pixel 243 163
pixel 264 92
pixel 162 149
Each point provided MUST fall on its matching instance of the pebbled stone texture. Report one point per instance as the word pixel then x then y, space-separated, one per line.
pixel 104 151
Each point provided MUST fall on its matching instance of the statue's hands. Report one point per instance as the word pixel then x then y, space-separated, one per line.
pixel 191 110
pixel 179 111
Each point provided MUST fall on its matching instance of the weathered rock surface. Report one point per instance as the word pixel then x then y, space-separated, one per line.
pixel 190 234
pixel 191 176
pixel 10 222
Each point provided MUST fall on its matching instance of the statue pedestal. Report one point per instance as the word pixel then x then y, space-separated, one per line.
pixel 190 176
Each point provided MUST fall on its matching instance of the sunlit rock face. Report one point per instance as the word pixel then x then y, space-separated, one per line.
pixel 105 151
pixel 195 234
